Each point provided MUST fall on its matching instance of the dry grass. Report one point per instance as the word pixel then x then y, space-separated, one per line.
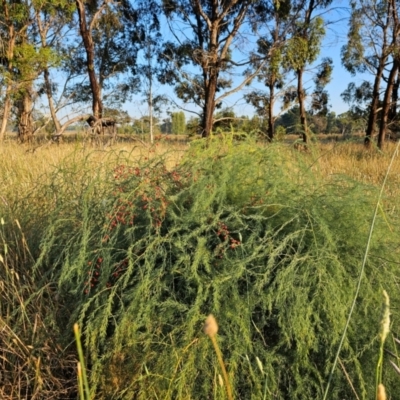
pixel 355 161
pixel 22 165
pixel 332 157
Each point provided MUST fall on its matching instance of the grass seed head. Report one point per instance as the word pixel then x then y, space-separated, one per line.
pixel 381 392
pixel 211 326
pixel 260 366
pixel 385 323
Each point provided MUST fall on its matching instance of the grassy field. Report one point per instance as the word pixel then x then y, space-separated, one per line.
pixel 138 244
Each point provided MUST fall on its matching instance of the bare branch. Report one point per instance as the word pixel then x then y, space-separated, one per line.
pixel 70 122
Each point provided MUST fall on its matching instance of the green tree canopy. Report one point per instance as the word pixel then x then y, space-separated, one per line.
pixel 178 123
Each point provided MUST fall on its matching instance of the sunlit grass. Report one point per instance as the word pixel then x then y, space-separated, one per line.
pixel 23 167
pixel 354 160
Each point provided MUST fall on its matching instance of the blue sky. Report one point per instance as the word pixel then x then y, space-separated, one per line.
pixel 335 38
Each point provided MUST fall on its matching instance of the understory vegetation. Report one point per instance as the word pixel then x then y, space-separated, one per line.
pixel 139 248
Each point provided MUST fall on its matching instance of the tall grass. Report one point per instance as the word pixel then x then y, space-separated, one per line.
pixel 34 364
pixel 139 251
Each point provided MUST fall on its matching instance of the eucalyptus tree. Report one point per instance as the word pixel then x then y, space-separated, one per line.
pixel 51 24
pixel 390 96
pixel 205 34
pixel 372 47
pixel 351 121
pixel 303 49
pixel 389 103
pixel 14 22
pixel 24 58
pixel 320 97
pixel 272 21
pixel 359 99
pixel 147 67
pixel 290 120
pixel 178 122
pixel 111 34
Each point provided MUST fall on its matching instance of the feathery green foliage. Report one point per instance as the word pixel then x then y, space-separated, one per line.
pixel 142 254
